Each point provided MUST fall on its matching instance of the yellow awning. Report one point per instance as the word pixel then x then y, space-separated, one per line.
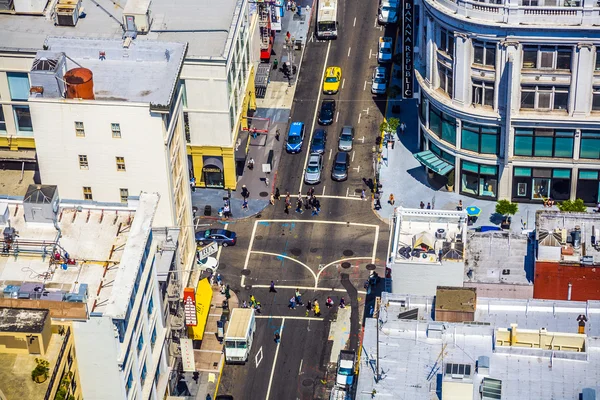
pixel 203 300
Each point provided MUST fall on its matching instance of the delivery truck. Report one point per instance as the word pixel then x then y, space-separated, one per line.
pixel 239 336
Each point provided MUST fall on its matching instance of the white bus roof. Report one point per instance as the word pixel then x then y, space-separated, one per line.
pixel 327 11
pixel 238 323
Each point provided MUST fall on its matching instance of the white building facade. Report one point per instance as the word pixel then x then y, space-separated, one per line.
pixel 510 97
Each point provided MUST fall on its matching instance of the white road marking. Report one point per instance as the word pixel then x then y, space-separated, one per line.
pixel 324 289
pixel 381 28
pixel 347 191
pixel 300 369
pixel 367 110
pixel 275 359
pixel 288 317
pixel 338 261
pixel 375 245
pixel 375 24
pixel 354 23
pixel 357 169
pixel 389 242
pixel 343 82
pixel 323 191
pixel 256 359
pixel 287 258
pixel 359 114
pixel 330 151
pixel 316 221
pixel 249 250
pixel 349 48
pixel 316 109
pixel 337 115
pixel 362 139
pixel 352 156
pixel 370 53
pixel 365 86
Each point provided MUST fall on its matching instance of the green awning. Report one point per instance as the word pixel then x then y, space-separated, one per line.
pixel 433 162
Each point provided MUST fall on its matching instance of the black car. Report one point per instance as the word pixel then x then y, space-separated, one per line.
pixel 327 112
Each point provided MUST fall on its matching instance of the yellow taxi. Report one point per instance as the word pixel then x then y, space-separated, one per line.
pixel 332 81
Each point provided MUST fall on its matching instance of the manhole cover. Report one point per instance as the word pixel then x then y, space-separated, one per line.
pixel 314 249
pixel 245 272
pixel 371 267
pixel 346 265
pixel 358 191
pixel 348 253
pixel 263 194
pixel 258 237
pixel 248 287
pixel 296 252
pixel 307 382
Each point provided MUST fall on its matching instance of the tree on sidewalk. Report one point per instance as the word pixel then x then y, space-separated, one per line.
pixel 390 126
pixel 572 206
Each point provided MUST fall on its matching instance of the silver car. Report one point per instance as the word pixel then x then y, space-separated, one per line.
pixel 313 169
pixel 346 138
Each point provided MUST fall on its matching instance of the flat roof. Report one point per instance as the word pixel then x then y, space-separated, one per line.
pixel 91 237
pixel 456 299
pixel 144 72
pixel 498 257
pixel 132 256
pixel 96 349
pixel 166 239
pixel 22 320
pixel 208 29
pixel 411 358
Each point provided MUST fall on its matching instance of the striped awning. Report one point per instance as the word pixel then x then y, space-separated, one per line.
pixel 433 162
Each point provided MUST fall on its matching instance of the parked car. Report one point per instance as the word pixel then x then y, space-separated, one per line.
pixel 346 138
pixel 221 236
pixel 384 55
pixel 339 171
pixel 295 138
pixel 327 112
pixel 313 169
pixel 379 85
pixel 388 12
pixel 319 141
pixel 333 80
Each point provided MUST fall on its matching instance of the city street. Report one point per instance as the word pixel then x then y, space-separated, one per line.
pixel 331 254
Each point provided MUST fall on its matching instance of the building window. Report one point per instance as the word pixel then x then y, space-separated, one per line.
pixel 79 130
pixel 588 187
pixel 116 130
pixel 232 117
pixel 545 97
pixel 540 184
pixel 446 42
pixel 87 193
pixel 441 153
pixel 484 53
pixel 446 81
pixel 18 85
pixel 150 306
pixel 479 180
pixel 542 142
pixel 144 373
pixel 483 93
pixel 129 381
pixel 140 343
pixel 153 337
pixel 480 138
pixel 595 99
pixel 83 161
pixel 547 57
pixel 2 120
pixel 590 145
pixel 124 194
pixel 442 125
pixel 120 163
pixel 23 118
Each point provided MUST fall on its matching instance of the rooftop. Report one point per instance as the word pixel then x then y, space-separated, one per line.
pixel 93 239
pixel 172 21
pixel 498 257
pixel 414 354
pixel 22 320
pixel 456 299
pixel 144 71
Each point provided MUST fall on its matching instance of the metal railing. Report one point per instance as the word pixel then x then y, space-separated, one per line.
pixel 57 365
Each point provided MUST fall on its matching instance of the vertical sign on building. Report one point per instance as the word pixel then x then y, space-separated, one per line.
pixel 408 44
pixel 189 306
pixel 187 355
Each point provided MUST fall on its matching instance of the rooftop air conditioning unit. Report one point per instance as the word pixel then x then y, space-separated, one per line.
pixel 67 12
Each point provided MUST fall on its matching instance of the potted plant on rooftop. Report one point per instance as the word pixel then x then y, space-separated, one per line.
pixel 507 209
pixel 40 372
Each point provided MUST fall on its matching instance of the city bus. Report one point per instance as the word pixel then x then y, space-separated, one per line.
pixel 327 19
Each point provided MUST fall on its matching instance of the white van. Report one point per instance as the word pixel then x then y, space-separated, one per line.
pixel 239 336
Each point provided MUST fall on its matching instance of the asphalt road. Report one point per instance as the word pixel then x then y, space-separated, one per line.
pixel 325 255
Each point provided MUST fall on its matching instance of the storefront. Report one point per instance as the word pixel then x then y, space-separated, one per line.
pixel 479 180
pixel 539 184
pixel 588 187
pixel 212 172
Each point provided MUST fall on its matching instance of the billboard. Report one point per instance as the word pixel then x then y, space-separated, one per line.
pixel 187 355
pixel 408 45
pixel 189 306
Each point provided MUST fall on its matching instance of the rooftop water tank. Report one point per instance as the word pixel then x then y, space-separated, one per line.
pixel 80 84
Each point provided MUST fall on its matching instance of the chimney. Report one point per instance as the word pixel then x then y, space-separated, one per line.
pixel 513 334
pixel 569 292
pixel 581 319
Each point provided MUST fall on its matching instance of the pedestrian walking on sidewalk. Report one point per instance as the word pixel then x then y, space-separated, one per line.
pixel 460 205
pixel 245 204
pixel 275 64
pixel 292 304
pixel 277 134
pixel 402 127
pixel 257 307
pixel 251 164
pixel 314 212
pixel 219 280
pixel 300 196
pixel 288 198
pixel 245 192
pixel 288 5
pixel 286 208
pixel 272 288
pixel 288 36
pixel 363 196
pixel 277 194
pixel 391 199
pixel 272 199
pixel 298 297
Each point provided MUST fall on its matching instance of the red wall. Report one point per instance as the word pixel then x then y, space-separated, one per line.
pixel 552 282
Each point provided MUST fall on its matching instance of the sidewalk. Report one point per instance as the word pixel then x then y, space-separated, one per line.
pixel 276 107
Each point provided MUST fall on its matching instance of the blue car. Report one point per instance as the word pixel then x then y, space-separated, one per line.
pixel 319 141
pixel 221 236
pixel 295 138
